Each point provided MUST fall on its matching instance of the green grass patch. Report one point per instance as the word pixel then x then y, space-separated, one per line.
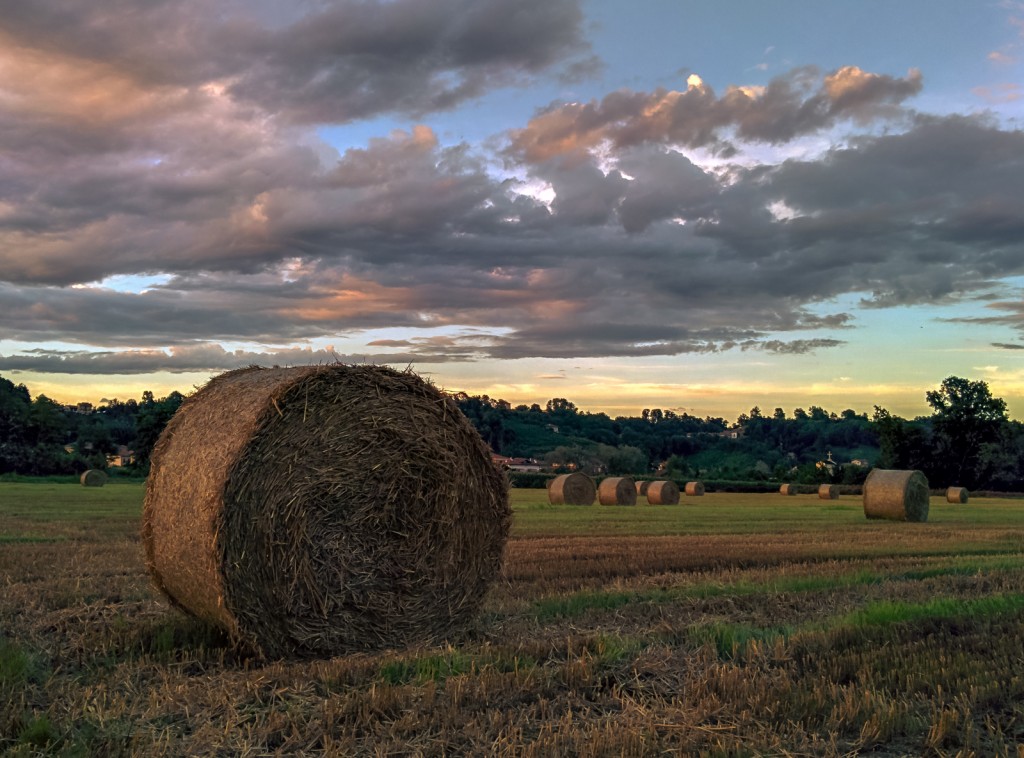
pixel 732 640
pixel 580 603
pixel 885 612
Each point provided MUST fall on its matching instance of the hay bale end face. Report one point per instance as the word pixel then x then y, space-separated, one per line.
pixel 323 510
pixel 93 478
pixel 958 495
pixel 617 490
pixel 571 489
pixel 787 489
pixel 641 488
pixel 663 493
pixel 896 495
pixel 694 489
pixel 828 492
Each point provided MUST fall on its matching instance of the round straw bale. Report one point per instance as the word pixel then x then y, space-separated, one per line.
pixel 617 490
pixel 324 509
pixel 93 478
pixel 957 495
pixel 896 495
pixel 641 488
pixel 694 489
pixel 571 489
pixel 787 489
pixel 828 492
pixel 663 493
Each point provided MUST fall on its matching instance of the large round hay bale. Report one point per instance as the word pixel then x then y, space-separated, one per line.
pixel 641 488
pixel 571 489
pixel 957 495
pixel 896 495
pixel 617 490
pixel 93 478
pixel 787 489
pixel 694 489
pixel 324 509
pixel 663 493
pixel 828 492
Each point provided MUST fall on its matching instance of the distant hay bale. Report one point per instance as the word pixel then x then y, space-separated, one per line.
pixel 641 488
pixel 957 495
pixel 617 490
pixel 787 489
pixel 896 495
pixel 93 478
pixel 694 489
pixel 828 492
pixel 571 489
pixel 323 510
pixel 663 493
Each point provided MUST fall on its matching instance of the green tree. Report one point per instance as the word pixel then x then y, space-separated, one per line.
pixel 153 417
pixel 966 417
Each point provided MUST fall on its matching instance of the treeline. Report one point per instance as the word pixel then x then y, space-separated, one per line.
pixel 42 437
pixel 754 448
pixel 967 441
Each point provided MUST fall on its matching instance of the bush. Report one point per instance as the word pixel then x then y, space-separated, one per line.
pixel 529 480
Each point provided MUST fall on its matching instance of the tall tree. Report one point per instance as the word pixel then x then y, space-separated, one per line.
pixel 966 417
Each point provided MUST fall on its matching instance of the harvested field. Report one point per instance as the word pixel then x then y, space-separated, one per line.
pixel 744 624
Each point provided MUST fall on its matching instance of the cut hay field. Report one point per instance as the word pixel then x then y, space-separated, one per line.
pixel 727 625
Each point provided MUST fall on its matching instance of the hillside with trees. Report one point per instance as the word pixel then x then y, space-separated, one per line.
pixel 968 440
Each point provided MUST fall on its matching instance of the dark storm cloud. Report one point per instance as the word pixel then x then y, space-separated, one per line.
pixel 796 104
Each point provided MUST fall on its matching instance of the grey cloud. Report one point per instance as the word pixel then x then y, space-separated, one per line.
pixel 1008 345
pixel 197 358
pixel 273 237
pixel 793 347
pixel 317 62
pixel 797 104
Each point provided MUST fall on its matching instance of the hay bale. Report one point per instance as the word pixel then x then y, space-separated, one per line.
pixel 787 489
pixel 93 478
pixel 663 493
pixel 641 488
pixel 896 495
pixel 323 510
pixel 617 490
pixel 571 489
pixel 957 495
pixel 828 492
pixel 694 489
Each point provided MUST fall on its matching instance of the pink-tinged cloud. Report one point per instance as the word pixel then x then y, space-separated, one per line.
pixel 790 106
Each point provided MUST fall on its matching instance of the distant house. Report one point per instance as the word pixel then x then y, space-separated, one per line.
pixel 123 457
pixel 860 462
pixel 515 464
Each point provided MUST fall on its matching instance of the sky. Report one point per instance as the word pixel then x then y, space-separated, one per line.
pixel 690 205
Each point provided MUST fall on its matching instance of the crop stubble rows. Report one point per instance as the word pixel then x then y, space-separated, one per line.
pixel 812 632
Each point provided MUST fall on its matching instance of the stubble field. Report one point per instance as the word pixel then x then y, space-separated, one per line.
pixel 726 625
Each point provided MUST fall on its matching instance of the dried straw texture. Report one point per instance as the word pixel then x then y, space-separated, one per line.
pixel 694 489
pixel 93 478
pixel 663 493
pixel 957 495
pixel 617 490
pixel 641 488
pixel 896 495
pixel 323 510
pixel 572 489
pixel 787 489
pixel 828 492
